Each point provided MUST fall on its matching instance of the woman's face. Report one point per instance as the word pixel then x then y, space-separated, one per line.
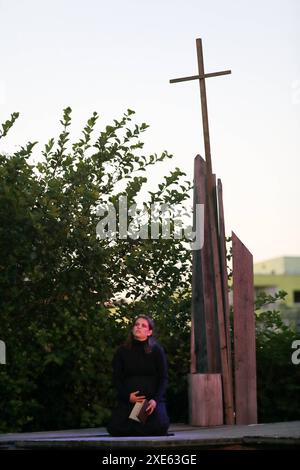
pixel 141 330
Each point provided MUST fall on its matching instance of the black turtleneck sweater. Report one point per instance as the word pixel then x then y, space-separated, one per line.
pixel 134 369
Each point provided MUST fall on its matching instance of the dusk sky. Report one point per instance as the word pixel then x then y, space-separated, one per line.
pixel 109 56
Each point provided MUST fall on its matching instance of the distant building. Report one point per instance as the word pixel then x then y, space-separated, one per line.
pixel 281 274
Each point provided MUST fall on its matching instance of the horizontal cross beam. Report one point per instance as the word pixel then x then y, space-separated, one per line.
pixel 195 77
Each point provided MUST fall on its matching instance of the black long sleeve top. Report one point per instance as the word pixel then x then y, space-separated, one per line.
pixel 135 370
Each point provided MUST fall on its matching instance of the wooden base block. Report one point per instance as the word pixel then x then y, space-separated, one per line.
pixel 205 400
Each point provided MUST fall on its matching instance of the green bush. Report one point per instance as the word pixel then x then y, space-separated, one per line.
pixel 278 379
pixel 56 275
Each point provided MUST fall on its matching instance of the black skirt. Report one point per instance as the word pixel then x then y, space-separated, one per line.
pixel 156 425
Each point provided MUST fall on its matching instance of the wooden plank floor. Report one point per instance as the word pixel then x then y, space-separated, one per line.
pixel 258 436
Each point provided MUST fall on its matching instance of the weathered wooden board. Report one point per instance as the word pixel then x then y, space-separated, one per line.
pixel 204 300
pixel 199 360
pixel 206 407
pixel 244 334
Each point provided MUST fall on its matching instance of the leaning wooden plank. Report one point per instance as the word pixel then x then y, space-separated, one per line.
pixel 244 334
pixel 213 227
pixel 210 290
pixel 223 261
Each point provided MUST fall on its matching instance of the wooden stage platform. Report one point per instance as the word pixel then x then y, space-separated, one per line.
pixel 259 436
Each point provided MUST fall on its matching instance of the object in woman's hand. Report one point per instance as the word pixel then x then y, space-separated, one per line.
pixel 138 412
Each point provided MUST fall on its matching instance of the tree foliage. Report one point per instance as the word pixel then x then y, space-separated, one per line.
pixel 57 277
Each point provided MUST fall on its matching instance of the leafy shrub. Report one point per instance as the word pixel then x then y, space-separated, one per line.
pixel 57 277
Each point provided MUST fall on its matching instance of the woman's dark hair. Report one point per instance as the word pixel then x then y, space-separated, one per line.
pixel 150 341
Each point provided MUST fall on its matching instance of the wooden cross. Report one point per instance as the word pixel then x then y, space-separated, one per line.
pixel 213 317
pixel 201 77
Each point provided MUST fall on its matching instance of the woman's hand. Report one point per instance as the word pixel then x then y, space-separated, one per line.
pixel 133 398
pixel 151 407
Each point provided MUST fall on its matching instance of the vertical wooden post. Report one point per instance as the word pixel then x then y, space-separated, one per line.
pixel 199 361
pixel 204 292
pixel 244 334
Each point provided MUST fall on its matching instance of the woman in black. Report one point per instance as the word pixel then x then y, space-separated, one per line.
pixel 139 372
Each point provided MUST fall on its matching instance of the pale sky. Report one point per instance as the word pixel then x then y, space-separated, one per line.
pixel 107 56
